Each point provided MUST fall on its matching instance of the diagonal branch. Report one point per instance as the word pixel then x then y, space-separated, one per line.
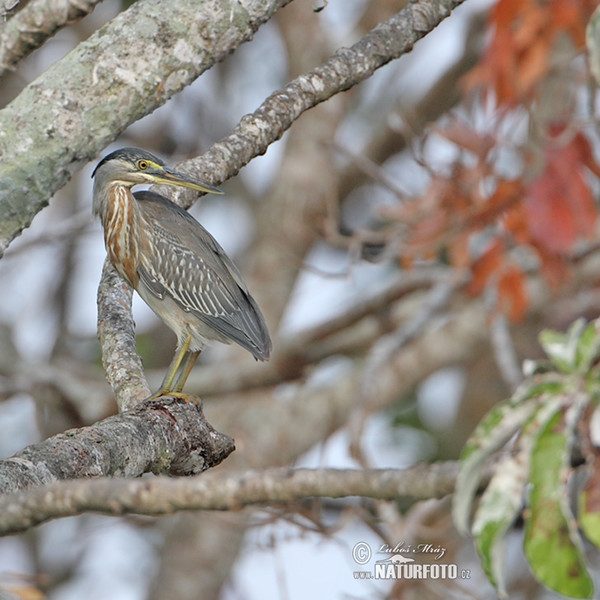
pixel 220 491
pixel 389 345
pixel 346 68
pixel 34 24
pixel 166 436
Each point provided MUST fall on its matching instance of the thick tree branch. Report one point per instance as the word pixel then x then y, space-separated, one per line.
pixel 219 491
pixel 34 24
pixel 160 436
pixel 122 364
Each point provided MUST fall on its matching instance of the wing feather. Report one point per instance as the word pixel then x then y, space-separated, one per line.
pixel 188 265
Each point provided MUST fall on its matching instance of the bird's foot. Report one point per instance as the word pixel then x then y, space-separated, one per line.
pixel 189 398
pixel 182 395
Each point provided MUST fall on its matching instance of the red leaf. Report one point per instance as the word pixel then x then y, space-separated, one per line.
pixel 550 220
pixel 560 206
pixel 505 12
pixel 524 35
pixel 533 65
pixel 508 194
pixel 512 293
pixel 556 270
pixel 585 153
pixel 488 263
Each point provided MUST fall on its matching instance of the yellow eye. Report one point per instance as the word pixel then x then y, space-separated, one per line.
pixel 142 164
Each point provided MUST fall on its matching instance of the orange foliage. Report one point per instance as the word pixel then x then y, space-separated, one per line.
pixel 489 262
pixel 549 207
pixel 525 32
pixel 559 206
pixel 512 292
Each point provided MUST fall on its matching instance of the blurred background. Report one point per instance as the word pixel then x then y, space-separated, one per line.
pixel 407 241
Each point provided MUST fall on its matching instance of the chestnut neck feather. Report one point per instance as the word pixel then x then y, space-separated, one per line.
pixel 120 218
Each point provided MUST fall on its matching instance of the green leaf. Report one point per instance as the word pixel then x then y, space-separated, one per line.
pixel 502 501
pixel 589 498
pixel 588 348
pixel 500 505
pixel 552 541
pixel 495 429
pixel 561 348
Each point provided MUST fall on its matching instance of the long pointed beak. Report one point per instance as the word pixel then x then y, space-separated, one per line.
pixel 172 177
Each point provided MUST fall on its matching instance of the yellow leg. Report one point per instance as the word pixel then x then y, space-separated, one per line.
pixel 169 380
pixel 185 369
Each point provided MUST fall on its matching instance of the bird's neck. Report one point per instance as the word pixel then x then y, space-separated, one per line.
pixel 120 218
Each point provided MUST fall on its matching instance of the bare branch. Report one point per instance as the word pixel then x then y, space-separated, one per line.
pixel 219 491
pixel 160 436
pixel 390 345
pixel 345 69
pixel 122 364
pixel 32 26
pixel 345 333
pixel 69 228
pixel 360 163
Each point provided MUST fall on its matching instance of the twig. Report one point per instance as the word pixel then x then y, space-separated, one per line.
pixel 337 335
pixel 391 344
pixel 68 228
pixel 503 347
pixel 372 170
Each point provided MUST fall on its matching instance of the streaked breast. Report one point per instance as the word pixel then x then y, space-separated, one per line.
pixel 121 232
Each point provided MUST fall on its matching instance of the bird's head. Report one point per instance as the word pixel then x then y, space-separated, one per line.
pixel 132 166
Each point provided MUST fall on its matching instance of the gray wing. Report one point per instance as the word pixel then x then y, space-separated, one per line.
pixel 188 265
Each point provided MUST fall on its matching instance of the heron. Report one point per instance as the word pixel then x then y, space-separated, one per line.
pixel 174 264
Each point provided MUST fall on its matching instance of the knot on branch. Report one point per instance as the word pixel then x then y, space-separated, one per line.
pixel 201 445
pixel 166 435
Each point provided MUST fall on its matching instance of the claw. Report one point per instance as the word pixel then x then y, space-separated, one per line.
pixel 181 395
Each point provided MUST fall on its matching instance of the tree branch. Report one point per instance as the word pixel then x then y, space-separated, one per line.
pixel 219 491
pixel 387 346
pixel 34 24
pixel 358 327
pixel 122 364
pixel 346 68
pixel 160 436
